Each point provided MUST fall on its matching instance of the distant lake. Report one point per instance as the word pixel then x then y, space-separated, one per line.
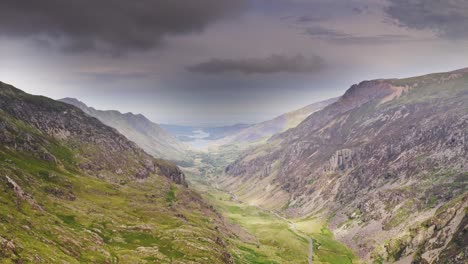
pixel 199 140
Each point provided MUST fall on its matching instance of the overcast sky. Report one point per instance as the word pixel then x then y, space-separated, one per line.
pixel 222 61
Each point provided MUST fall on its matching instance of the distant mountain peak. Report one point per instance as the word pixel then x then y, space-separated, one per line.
pixel 86 108
pixel 73 101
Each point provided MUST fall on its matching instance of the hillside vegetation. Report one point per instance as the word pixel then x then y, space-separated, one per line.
pixel 77 191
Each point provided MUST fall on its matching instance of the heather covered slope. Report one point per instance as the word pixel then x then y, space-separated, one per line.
pixel 148 135
pixel 77 191
pixel 387 163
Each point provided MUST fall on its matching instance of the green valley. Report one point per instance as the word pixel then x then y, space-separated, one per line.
pixel 276 240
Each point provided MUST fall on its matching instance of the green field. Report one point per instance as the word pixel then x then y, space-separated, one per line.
pixel 326 248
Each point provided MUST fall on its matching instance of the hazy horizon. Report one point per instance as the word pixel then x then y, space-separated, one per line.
pixel 220 124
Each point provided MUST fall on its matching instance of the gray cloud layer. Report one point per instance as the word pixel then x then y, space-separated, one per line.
pixel 449 18
pixel 345 38
pixel 113 25
pixel 271 64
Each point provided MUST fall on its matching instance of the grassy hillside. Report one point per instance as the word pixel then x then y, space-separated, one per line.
pixel 60 216
pixel 76 191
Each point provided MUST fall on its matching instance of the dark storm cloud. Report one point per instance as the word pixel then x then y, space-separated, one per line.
pixel 310 11
pixel 113 25
pixel 271 64
pixel 113 76
pixel 448 18
pixel 345 38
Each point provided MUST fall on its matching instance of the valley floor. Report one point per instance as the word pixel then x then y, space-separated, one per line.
pixel 276 239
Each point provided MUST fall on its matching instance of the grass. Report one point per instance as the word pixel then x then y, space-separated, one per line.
pixel 122 218
pixel 276 242
pixel 171 195
pixel 151 222
pixel 401 215
pixel 248 255
pixel 326 248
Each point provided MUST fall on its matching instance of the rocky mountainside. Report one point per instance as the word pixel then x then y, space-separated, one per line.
pixel 387 164
pixel 74 190
pixel 139 129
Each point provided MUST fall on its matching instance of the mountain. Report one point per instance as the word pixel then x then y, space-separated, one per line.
pixel 386 165
pixel 74 190
pixel 148 135
pixel 264 130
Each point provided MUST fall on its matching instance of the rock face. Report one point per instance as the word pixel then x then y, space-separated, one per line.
pixel 342 160
pixel 382 158
pixel 98 149
pixel 148 135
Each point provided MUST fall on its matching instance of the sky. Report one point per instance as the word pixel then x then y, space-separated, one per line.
pixel 221 62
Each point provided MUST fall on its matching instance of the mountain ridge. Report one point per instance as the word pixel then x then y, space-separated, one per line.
pixel 264 130
pixel 148 135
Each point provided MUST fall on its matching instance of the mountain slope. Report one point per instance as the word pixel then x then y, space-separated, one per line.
pixel 148 135
pixel 387 164
pixel 264 130
pixel 76 191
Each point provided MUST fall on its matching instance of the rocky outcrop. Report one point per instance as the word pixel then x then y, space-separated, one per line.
pixel 171 171
pixel 341 160
pixel 22 195
pixel 439 239
pixel 7 248
pixel 456 251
